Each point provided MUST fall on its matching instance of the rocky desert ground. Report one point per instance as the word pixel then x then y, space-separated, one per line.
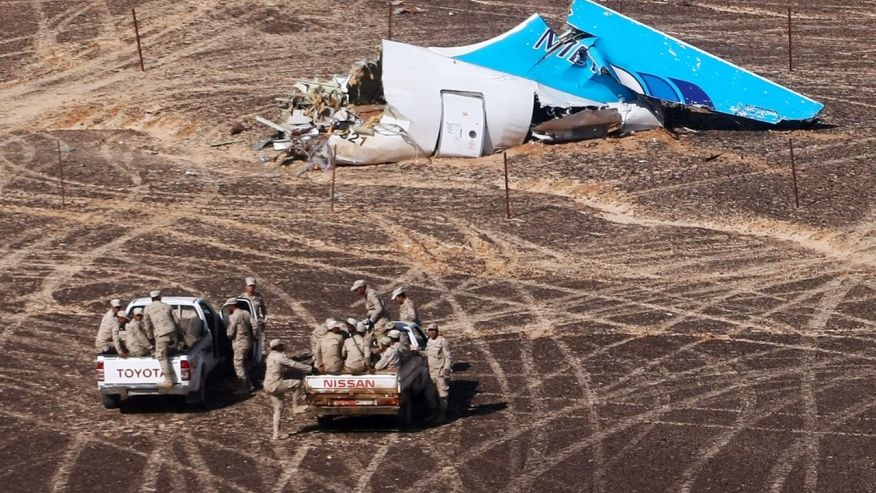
pixel 656 316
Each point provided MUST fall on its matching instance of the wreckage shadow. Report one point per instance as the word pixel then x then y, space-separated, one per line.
pixel 220 394
pixel 678 118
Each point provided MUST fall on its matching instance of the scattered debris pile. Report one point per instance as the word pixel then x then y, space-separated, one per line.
pixel 345 108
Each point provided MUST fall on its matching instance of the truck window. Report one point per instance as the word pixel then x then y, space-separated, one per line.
pixel 419 336
pixel 191 324
pixel 243 304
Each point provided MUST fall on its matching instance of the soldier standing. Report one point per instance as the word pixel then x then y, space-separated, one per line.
pixel 357 356
pixel 239 331
pixel 159 321
pixel 407 312
pixel 376 311
pixel 119 334
pixel 136 337
pixel 438 352
pixel 259 308
pixel 276 386
pixel 329 350
pixel 104 341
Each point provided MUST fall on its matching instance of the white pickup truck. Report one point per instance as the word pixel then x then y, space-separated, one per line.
pixel 380 393
pixel 207 348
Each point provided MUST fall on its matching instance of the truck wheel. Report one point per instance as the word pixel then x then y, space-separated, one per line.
pixel 199 398
pixel 111 401
pixel 324 421
pixel 405 416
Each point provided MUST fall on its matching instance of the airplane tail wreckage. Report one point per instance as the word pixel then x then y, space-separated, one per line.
pixel 605 75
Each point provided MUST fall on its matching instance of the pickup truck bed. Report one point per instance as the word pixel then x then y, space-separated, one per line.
pixel 368 394
pixel 119 378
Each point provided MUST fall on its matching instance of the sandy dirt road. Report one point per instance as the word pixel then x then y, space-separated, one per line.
pixel 656 317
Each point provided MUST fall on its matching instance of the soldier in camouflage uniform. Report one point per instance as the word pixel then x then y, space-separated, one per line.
pixel 276 386
pixel 104 341
pixel 159 321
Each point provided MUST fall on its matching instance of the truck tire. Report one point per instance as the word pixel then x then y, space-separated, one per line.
pixel 199 398
pixel 111 401
pixel 405 416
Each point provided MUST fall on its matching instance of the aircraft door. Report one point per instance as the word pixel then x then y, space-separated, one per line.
pixel 462 125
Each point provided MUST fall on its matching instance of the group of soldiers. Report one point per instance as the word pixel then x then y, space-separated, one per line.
pixel 339 346
pixel 156 330
pixel 358 347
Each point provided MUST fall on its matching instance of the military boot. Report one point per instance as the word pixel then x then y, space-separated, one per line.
pixel 442 411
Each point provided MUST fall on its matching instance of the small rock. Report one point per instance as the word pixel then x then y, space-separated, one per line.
pixel 237 128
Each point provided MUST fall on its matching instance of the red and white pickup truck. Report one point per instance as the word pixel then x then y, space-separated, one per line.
pixel 382 393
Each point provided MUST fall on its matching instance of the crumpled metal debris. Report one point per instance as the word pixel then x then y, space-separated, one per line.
pixel 586 124
pixel 317 116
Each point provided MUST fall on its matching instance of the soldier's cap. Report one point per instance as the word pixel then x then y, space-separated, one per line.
pixel 122 314
pixel 352 321
pixel 339 325
pixel 275 343
pixel 155 293
pixel 138 311
pixel 116 303
pixel 397 292
pixel 250 281
pixel 394 334
pixel 358 284
pixel 329 323
pixel 360 327
pixel 384 341
pixel 231 301
pixel 432 326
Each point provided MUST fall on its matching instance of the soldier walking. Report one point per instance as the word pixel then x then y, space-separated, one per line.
pixel 239 331
pixel 438 352
pixel 159 321
pixel 104 341
pixel 276 386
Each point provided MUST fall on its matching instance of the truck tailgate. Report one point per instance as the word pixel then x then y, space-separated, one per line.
pixel 135 371
pixel 352 384
pixel 350 395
